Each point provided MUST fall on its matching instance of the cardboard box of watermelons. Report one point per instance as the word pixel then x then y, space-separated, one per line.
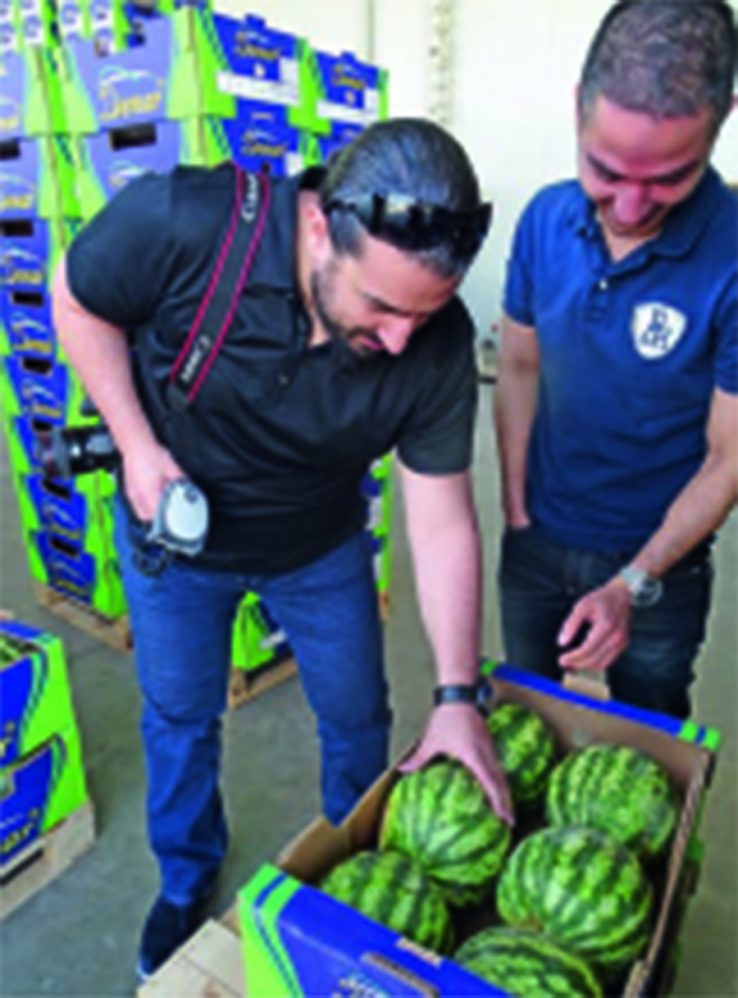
pixel 299 940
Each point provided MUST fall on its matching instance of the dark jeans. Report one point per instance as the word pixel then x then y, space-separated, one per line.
pixel 182 618
pixel 539 583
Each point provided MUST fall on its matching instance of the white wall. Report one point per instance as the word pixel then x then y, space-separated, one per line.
pixel 516 66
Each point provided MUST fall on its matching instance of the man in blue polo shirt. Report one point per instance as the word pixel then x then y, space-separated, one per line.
pixel 616 408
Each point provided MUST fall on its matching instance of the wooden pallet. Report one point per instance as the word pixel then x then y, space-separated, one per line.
pixel 113 632
pixel 384 607
pixel 43 860
pixel 245 684
pixel 209 965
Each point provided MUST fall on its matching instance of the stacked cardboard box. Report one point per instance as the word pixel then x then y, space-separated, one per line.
pixel 42 779
pixel 103 92
pixel 66 523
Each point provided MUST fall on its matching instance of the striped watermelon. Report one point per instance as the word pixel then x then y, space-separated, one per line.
pixel 581 888
pixel 439 817
pixel 526 750
pixel 392 890
pixel 527 964
pixel 618 790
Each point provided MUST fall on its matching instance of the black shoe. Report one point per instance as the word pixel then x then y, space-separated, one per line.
pixel 166 928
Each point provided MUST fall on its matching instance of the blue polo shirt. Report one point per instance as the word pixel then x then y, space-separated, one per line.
pixel 630 355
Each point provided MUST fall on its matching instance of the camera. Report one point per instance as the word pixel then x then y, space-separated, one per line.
pixel 182 516
pixel 76 450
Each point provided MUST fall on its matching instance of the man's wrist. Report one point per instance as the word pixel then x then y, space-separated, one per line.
pixel 643 588
pixel 476 694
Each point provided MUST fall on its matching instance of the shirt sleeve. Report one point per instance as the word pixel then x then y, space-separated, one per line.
pixel 118 265
pixel 518 294
pixel 438 437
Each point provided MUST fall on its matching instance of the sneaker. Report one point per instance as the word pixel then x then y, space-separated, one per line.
pixel 166 928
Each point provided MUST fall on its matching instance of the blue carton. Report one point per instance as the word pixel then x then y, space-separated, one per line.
pixel 39 388
pixel 78 519
pixel 245 59
pixel 259 137
pixel 74 19
pixel 25 434
pixel 30 249
pixel 93 580
pixel 111 90
pixel 30 103
pixel 39 791
pixel 108 161
pixel 35 698
pixel 318 946
pixel 340 135
pixel 68 568
pixel 28 326
pixel 37 179
pixel 344 89
pixel 37 24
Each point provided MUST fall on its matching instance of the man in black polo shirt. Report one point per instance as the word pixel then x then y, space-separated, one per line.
pixel 348 341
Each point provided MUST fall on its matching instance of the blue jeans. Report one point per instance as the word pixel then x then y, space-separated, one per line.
pixel 539 583
pixel 182 618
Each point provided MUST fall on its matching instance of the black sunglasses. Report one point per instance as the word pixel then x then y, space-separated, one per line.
pixel 417 225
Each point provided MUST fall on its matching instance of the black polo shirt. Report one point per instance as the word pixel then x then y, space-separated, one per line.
pixel 281 433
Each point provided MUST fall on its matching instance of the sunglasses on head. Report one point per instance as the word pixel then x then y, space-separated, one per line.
pixel 417 225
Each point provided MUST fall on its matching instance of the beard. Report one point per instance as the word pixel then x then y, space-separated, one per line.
pixel 322 290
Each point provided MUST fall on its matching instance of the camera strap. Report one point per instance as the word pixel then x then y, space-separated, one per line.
pixel 230 272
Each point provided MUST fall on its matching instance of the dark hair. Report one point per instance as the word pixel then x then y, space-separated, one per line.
pixel 665 58
pixel 405 156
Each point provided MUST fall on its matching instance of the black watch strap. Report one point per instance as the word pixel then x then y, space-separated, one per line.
pixel 479 694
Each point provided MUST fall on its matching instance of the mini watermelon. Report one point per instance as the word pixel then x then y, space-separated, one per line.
pixel 392 890
pixel 622 792
pixel 440 817
pixel 527 964
pixel 526 750
pixel 583 889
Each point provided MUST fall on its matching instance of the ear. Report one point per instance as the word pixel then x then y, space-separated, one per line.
pixel 317 235
pixel 577 109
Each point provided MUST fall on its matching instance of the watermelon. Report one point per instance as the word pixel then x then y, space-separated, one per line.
pixel 618 790
pixel 392 890
pixel 526 750
pixel 581 888
pixel 527 964
pixel 440 817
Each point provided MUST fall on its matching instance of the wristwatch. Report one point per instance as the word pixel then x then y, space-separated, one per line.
pixel 644 589
pixel 479 694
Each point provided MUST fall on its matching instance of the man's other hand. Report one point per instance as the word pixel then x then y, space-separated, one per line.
pixel 605 614
pixel 146 472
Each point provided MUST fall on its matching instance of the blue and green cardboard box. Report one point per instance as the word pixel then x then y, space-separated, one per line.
pixel 35 698
pixel 298 941
pixel 42 778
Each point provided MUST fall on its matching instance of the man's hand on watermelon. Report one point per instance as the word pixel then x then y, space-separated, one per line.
pixel 459 731
pixel 597 629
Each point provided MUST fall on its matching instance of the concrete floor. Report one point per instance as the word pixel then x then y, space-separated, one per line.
pixel 78 937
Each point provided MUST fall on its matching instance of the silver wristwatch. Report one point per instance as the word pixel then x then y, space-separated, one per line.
pixel 644 589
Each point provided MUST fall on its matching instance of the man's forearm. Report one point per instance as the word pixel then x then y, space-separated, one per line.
pixel 98 352
pixel 515 403
pixel 698 510
pixel 448 580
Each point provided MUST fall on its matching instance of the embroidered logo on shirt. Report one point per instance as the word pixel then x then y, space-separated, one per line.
pixel 656 329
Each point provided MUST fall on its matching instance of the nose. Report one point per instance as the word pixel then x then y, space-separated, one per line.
pixel 632 201
pixel 394 333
